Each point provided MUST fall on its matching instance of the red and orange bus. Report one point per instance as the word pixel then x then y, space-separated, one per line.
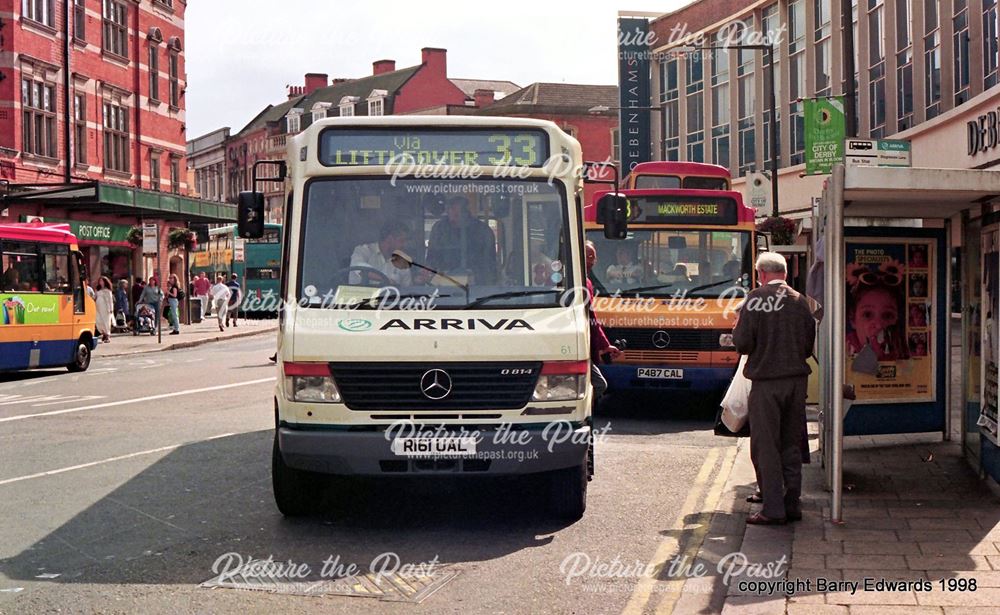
pixel 46 317
pixel 666 293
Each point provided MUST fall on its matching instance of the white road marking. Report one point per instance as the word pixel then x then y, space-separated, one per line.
pixel 110 460
pixel 50 400
pixel 137 400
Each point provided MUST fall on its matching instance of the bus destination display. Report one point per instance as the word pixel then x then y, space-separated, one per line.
pixel 683 210
pixel 465 147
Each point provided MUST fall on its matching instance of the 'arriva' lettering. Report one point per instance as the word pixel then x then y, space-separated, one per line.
pixel 457 324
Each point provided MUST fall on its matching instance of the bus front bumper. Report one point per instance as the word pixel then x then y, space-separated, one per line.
pixel 369 453
pixel 696 379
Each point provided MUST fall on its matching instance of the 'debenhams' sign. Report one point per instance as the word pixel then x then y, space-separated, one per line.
pixel 983 132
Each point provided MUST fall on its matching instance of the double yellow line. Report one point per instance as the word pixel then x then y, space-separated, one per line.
pixel 670 547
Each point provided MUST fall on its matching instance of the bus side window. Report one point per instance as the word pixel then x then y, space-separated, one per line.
pixel 76 273
pixel 55 272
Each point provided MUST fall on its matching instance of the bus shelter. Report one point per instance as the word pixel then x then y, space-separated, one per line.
pixel 885 236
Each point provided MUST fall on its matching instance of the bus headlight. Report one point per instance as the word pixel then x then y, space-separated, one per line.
pixel 561 381
pixel 726 340
pixel 310 382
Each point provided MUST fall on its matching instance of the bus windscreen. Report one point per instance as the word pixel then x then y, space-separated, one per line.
pixel 460 147
pixel 676 209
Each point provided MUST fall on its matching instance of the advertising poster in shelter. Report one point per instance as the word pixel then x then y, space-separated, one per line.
pixel 891 311
pixel 990 358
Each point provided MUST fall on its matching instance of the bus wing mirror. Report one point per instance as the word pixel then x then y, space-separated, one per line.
pixel 613 213
pixel 250 215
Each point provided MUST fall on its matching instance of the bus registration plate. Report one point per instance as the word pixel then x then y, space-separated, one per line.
pixel 434 447
pixel 661 373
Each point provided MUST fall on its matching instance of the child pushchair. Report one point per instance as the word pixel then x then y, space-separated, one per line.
pixel 145 319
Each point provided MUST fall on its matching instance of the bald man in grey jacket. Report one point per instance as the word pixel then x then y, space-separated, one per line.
pixel 776 330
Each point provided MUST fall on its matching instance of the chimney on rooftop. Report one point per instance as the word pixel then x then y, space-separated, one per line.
pixel 436 60
pixel 315 81
pixel 339 80
pixel 483 98
pixel 383 66
pixel 294 91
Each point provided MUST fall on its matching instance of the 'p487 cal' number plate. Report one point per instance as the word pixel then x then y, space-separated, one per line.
pixel 661 373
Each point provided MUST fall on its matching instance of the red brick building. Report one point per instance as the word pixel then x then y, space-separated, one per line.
pixel 92 109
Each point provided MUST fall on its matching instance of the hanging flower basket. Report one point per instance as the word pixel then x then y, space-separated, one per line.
pixel 782 230
pixel 180 238
pixel 135 236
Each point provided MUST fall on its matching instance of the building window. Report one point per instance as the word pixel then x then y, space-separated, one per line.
pixel 116 138
pixel 175 174
pixel 720 107
pixel 695 108
pixel 960 43
pixel 932 59
pixel 669 100
pixel 821 35
pixel 154 71
pixel 80 128
pixel 746 107
pixel 904 66
pixel 80 20
pixel 876 68
pixel 175 85
pixel 797 78
pixel 991 43
pixel 346 105
pixel 294 120
pixel 38 101
pixel 154 171
pixel 772 23
pixel 616 147
pixel 40 11
pixel 116 28
pixel 375 107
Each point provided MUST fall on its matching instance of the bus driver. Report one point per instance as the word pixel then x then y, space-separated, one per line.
pixel 378 256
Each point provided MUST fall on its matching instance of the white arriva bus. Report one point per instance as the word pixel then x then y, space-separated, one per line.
pixel 430 326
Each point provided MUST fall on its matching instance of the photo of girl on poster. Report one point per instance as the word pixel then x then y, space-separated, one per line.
pixel 876 309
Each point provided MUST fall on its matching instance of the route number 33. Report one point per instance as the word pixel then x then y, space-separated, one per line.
pixel 523 144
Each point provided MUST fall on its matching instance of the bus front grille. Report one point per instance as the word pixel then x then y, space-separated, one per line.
pixel 458 386
pixel 665 339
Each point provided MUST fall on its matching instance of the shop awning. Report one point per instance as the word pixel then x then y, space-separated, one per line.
pixel 874 192
pixel 101 198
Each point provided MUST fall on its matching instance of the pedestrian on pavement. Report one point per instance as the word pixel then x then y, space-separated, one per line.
pixel 121 301
pixel 137 287
pixel 173 301
pixel 201 287
pixel 235 296
pixel 599 344
pixel 776 329
pixel 152 295
pixel 105 301
pixel 220 296
pixel 90 290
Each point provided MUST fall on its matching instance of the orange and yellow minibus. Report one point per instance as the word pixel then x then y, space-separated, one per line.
pixel 46 317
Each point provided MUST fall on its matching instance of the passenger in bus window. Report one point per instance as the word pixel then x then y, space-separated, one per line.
pixel 377 256
pixel 461 244
pixel 11 278
pixel 625 269
pixel 731 270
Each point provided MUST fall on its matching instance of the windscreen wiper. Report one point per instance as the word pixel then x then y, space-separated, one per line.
pixel 643 289
pixel 712 285
pixel 511 294
pixel 377 299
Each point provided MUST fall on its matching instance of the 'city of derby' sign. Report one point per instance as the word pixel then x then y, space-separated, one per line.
pixel 984 132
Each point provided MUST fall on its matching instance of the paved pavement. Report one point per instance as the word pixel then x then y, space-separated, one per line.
pixel 915 512
pixel 190 335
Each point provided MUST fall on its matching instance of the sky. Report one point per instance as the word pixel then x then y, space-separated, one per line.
pixel 242 53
